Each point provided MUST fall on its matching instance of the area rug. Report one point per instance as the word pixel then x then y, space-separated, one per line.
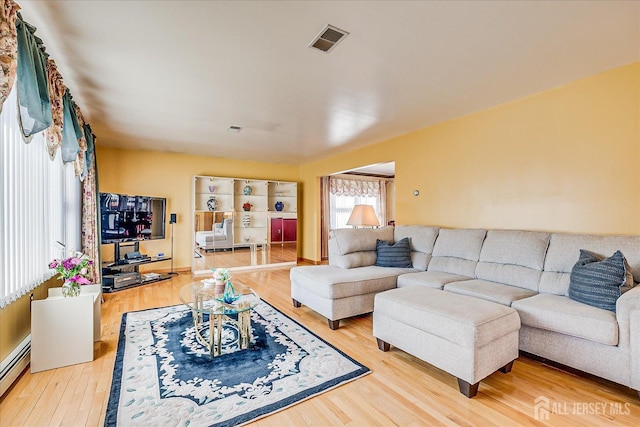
pixel 164 376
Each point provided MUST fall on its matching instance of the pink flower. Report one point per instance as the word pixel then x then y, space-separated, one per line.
pixel 53 264
pixel 80 280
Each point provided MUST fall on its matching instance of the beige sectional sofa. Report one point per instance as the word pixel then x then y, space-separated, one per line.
pixel 526 270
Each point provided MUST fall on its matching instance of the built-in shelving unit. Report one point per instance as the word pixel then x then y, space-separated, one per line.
pixel 263 214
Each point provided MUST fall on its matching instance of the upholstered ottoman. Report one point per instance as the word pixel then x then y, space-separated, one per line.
pixel 467 337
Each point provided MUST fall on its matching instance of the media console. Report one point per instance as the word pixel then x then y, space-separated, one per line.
pixel 125 272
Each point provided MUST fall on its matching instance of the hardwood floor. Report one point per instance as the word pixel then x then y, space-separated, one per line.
pixel 401 390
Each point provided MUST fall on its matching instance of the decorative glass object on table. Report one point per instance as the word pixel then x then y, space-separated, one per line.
pixel 211 312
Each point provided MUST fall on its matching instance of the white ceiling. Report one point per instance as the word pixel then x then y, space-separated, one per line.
pixel 387 169
pixel 174 75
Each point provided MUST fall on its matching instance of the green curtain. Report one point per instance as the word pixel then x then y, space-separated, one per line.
pixel 33 88
pixel 71 131
pixel 88 134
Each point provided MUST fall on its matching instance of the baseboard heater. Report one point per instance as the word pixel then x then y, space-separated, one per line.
pixel 13 365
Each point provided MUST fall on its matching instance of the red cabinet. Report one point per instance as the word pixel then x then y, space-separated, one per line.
pixel 284 230
pixel 276 230
pixel 290 229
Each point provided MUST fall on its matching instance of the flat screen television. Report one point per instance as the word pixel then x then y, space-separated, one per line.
pixel 127 218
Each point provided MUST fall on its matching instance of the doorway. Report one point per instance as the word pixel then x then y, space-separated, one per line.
pixel 369 185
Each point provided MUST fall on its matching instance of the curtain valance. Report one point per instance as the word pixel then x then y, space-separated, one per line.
pixel 353 187
pixel 8 47
pixel 44 100
pixel 33 88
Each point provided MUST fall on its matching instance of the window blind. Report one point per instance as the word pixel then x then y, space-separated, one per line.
pixel 39 206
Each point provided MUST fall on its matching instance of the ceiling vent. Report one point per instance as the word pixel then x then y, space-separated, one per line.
pixel 234 129
pixel 328 38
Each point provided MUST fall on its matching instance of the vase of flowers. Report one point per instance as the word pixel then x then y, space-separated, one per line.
pixel 221 276
pixel 74 271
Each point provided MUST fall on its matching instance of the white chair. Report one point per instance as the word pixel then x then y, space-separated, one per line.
pixel 218 238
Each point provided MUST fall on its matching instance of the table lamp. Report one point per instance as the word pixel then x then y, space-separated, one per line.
pixel 364 216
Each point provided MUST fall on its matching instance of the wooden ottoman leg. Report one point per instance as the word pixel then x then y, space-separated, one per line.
pixel 296 303
pixel 467 389
pixel 334 324
pixel 382 345
pixel 507 368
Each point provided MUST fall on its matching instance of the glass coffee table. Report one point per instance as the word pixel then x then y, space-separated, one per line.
pixel 210 313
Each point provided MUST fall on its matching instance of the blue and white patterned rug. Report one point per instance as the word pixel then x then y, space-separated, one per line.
pixel 163 376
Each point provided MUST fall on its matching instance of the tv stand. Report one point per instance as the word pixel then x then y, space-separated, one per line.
pixel 124 273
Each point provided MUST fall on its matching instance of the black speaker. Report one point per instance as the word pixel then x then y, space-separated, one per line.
pixel 133 255
pixel 172 218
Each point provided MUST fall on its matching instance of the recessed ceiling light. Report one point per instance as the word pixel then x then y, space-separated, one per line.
pixel 234 128
pixel 328 38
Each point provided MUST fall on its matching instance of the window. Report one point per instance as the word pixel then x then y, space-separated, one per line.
pixel 40 208
pixel 341 207
pixel 346 193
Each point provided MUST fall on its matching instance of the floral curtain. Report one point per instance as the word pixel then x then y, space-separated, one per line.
pixel 353 187
pixel 8 47
pixel 90 217
pixel 80 164
pixel 57 90
pixel 33 88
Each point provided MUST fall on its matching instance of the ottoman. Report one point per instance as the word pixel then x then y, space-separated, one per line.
pixel 467 337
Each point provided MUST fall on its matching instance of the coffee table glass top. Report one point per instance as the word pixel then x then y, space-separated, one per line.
pixel 210 314
pixel 203 298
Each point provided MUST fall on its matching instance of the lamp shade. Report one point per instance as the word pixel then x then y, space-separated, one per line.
pixel 363 215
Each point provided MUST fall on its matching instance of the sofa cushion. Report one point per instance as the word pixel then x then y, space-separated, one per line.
pixel 561 314
pixel 492 291
pixel 564 250
pixel 353 260
pixel 430 279
pixel 513 257
pixel 350 240
pixel 457 251
pixel 468 322
pixel 393 255
pixel 333 282
pixel 596 281
pixel 421 240
pixel 422 237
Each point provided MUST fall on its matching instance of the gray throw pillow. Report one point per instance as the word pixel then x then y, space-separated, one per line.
pixel 598 282
pixel 396 255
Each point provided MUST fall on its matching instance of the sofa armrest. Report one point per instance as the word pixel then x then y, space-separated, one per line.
pixel 628 303
pixel 634 345
pixel 628 316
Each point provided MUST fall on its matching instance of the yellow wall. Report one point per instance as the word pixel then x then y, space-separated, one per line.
pixel 15 318
pixel 562 160
pixel 169 175
pixel 567 159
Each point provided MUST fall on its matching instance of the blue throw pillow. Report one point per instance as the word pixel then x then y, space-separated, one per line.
pixel 598 282
pixel 396 255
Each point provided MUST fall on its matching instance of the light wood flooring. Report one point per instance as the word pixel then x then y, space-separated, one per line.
pixel 401 390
